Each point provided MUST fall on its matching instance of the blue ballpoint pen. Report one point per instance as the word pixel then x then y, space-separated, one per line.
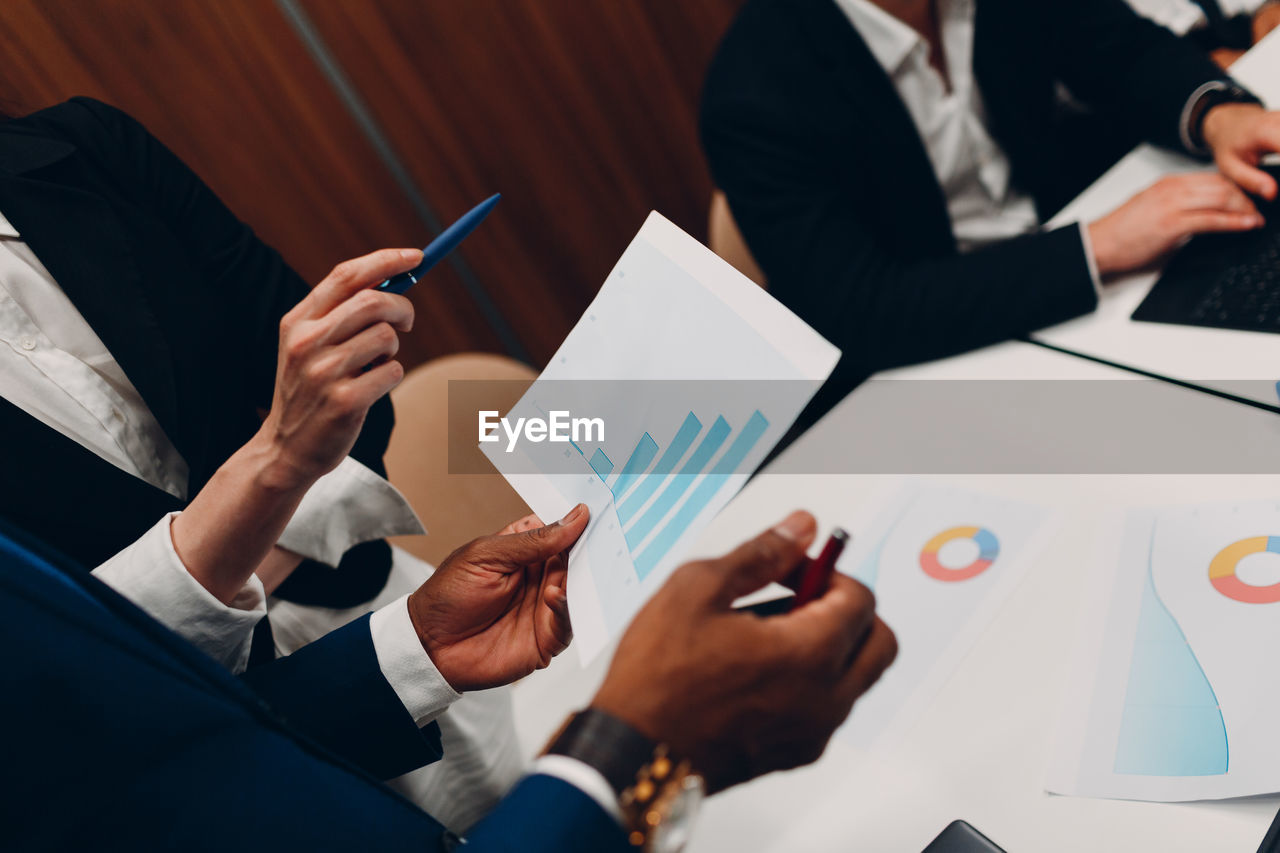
pixel 441 246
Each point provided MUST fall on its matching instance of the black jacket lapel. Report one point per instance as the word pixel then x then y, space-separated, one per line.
pixel 887 129
pixel 78 237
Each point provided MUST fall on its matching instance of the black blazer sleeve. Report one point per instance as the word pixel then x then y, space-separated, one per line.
pixel 253 277
pixel 812 239
pixel 808 198
pixel 259 287
pixel 1123 64
pixel 333 691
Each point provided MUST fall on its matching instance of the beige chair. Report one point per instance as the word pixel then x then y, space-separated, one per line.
pixel 458 507
pixel 726 240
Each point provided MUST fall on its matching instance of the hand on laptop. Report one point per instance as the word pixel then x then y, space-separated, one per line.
pixel 739 694
pixel 1240 135
pixel 1162 217
pixel 496 609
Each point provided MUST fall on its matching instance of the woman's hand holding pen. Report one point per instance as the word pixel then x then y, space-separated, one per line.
pixel 323 390
pixel 322 395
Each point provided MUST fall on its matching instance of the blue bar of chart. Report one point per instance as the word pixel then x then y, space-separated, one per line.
pixel 649 558
pixel 601 464
pixel 639 460
pixel 666 464
pixel 640 513
pixel 679 484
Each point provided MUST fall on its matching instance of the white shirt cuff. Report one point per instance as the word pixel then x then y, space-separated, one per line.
pixel 407 666
pixel 150 574
pixel 1089 258
pixel 582 776
pixel 345 507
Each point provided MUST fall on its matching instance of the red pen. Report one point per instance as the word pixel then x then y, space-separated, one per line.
pixel 816 574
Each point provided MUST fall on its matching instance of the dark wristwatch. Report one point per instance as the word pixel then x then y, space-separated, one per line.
pixel 659 794
pixel 1215 94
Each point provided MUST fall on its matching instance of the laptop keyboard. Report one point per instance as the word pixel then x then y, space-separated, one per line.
pixel 1246 293
pixel 1228 281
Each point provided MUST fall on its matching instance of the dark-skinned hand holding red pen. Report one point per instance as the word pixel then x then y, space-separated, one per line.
pixel 740 694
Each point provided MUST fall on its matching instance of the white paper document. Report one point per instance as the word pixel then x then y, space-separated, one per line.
pixel 1176 694
pixel 695 373
pixel 941 561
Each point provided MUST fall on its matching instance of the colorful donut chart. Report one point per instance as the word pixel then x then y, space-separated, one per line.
pixel 1222 571
pixel 988 550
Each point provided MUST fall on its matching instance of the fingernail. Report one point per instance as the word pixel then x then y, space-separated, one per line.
pixel 411 254
pixel 572 515
pixel 794 526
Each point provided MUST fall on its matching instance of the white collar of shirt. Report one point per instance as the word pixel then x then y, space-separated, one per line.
pixel 969 165
pixel 54 367
pixel 889 40
pixel 892 43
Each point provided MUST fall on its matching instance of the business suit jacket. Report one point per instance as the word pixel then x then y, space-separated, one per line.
pixel 188 301
pixel 124 736
pixel 833 190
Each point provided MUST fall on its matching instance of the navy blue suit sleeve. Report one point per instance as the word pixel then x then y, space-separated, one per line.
pixel 544 813
pixel 334 692
pixel 172 744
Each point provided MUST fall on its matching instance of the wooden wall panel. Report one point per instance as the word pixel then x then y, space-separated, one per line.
pixel 229 86
pixel 581 112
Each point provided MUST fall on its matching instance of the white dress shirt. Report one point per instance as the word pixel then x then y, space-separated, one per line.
pixel 971 168
pixel 1183 16
pixel 54 367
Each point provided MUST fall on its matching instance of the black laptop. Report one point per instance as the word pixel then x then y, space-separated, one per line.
pixel 1228 281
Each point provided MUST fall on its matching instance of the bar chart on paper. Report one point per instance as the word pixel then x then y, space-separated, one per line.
pixel 656 502
pixel 664 486
pixel 650 493
pixel 695 373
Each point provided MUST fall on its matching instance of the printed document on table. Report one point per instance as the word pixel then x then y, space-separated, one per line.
pixel 1175 694
pixel 941 561
pixel 695 373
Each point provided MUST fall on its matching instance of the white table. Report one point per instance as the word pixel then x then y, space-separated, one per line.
pixel 979 751
pixel 1244 363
